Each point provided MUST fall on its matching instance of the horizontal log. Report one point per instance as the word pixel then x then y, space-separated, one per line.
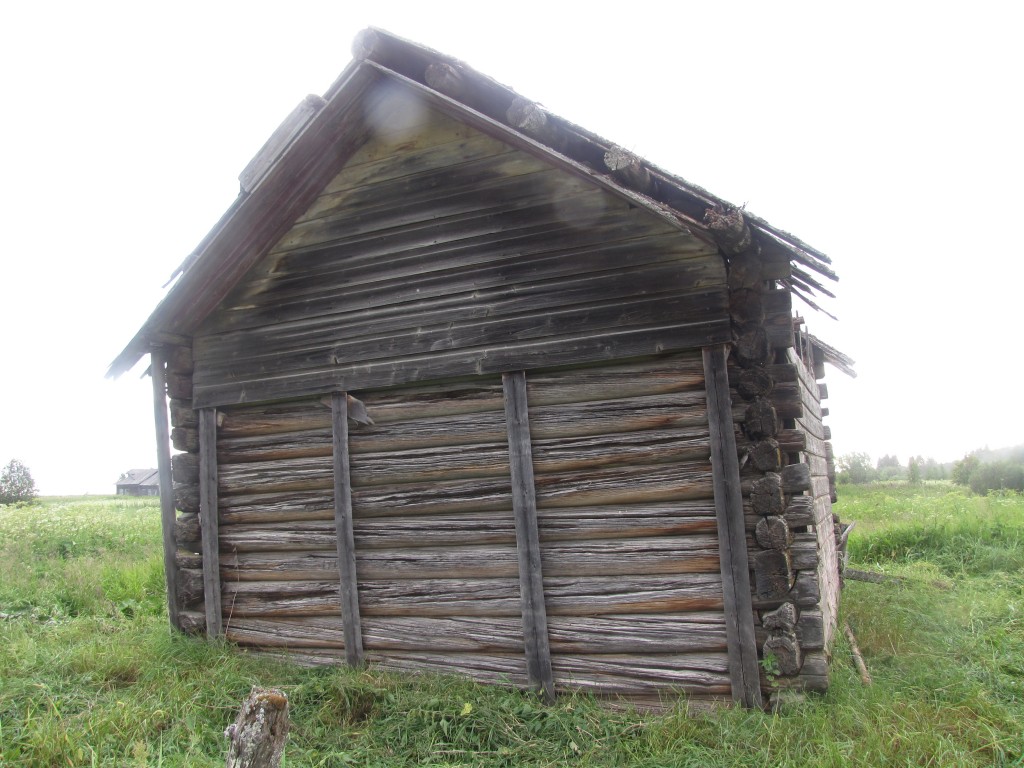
pixel 299 416
pixel 580 596
pixel 800 512
pixel 287 506
pixel 796 478
pixel 570 524
pixel 186 497
pixel 186 529
pixel 804 594
pixel 182 414
pixel 635 633
pixel 179 359
pixel 630 557
pixel 810 631
pixel 631 673
pixel 305 474
pixel 274 447
pixel 185 468
pixel 185 439
pixel 190 586
pixel 179 387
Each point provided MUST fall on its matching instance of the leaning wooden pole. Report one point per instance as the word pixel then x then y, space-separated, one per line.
pixel 744 670
pixel 208 519
pixel 163 463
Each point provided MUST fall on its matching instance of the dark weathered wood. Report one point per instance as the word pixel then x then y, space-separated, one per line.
pixel 796 478
pixel 189 583
pixel 746 306
pixel 743 663
pixel 754 382
pixel 752 347
pixel 785 649
pixel 192 622
pixel 447 79
pixel 346 548
pixel 186 497
pixel 800 512
pixel 774 533
pixel 766 455
pixel 258 735
pixel 163 459
pixel 185 468
pixel 209 520
pixel 179 359
pixel 782 619
pixel 760 419
pixel 187 531
pixel 628 169
pixel 766 496
pixel 729 228
pixel 185 439
pixel 773 574
pixel 182 414
pixel 179 386
pixel 524 507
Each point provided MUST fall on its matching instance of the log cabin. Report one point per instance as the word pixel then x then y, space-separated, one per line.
pixel 138 482
pixel 455 385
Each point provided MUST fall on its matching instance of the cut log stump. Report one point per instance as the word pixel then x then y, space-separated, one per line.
pixel 259 732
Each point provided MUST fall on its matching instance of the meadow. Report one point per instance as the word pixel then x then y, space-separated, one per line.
pixel 90 675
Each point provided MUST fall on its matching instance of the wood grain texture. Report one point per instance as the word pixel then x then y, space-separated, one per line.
pixel 209 521
pixel 524 509
pixel 346 550
pixel 743 663
pixel 163 458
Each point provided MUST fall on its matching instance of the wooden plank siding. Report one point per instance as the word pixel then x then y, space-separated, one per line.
pixel 440 252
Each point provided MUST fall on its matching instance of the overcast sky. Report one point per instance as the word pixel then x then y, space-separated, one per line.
pixel 887 135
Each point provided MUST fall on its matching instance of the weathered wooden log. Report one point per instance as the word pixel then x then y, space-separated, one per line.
pixel 773 574
pixel 774 533
pixel 186 497
pixel 629 170
pixel 791 440
pixel 179 360
pixel 190 586
pixel 800 512
pixel 474 529
pixel 760 419
pixel 729 229
pixel 185 468
pixel 445 78
pixel 766 495
pixel 258 735
pixel 179 386
pixel 745 271
pixel 751 347
pixel 186 529
pixel 182 414
pixel 810 630
pixel 766 455
pixel 662 555
pixel 782 619
pixel 192 622
pixel 746 306
pixel 185 439
pixel 532 120
pixel 785 649
pixel 754 382
pixel 796 478
pixel 186 559
pixel 858 658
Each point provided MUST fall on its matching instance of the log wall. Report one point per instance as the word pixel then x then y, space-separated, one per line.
pixel 438 252
pixel 625 511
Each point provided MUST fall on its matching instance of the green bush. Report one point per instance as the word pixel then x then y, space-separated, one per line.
pixel 999 475
pixel 16 483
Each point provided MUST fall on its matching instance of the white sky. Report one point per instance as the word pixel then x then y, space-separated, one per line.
pixel 886 134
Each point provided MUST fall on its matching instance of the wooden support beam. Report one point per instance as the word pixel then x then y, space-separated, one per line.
pixel 163 462
pixel 524 507
pixel 346 539
pixel 744 670
pixel 209 520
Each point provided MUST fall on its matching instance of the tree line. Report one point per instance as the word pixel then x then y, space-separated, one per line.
pixel 982 470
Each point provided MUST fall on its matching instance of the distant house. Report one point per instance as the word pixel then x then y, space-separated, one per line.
pixel 139 482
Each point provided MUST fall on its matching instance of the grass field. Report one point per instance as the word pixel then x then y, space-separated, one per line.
pixel 91 676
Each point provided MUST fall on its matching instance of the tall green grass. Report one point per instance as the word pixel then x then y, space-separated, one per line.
pixel 90 674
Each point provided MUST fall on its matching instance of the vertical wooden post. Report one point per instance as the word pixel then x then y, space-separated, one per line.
pixel 346 539
pixel 209 520
pixel 524 506
pixel 744 669
pixel 163 463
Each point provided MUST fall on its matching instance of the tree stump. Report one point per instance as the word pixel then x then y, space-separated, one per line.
pixel 260 730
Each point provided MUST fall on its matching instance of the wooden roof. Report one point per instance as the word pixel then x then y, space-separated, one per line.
pixel 316 140
pixel 139 477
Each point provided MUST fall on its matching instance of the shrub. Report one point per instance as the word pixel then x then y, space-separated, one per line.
pixel 16 483
pixel 997 475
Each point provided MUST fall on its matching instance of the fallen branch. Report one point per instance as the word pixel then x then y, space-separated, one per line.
pixel 865 677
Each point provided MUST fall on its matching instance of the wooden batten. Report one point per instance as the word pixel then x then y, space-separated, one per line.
pixel 209 520
pixel 345 539
pixel 732 547
pixel 163 458
pixel 524 507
